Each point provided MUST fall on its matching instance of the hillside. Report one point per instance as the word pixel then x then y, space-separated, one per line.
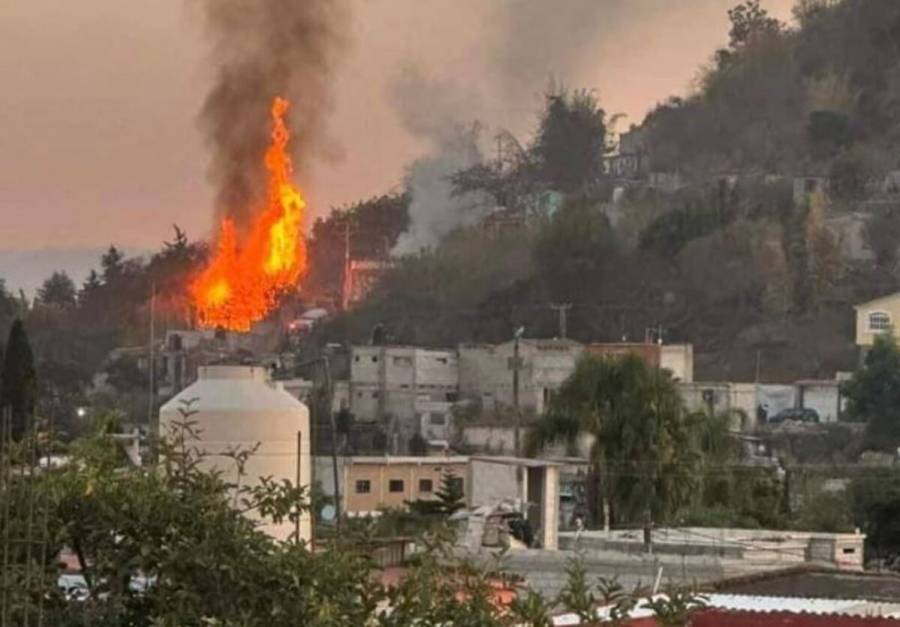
pixel 740 256
pixel 820 97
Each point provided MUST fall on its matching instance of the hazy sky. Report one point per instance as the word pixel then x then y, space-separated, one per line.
pixel 98 134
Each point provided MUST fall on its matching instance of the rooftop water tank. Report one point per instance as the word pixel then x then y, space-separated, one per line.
pixel 237 407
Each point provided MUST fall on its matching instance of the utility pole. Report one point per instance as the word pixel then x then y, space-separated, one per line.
pixel 515 368
pixel 299 478
pixel 324 404
pixel 334 461
pixel 563 311
pixel 348 278
pixel 152 365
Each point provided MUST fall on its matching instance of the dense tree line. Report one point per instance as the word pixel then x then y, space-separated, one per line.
pixel 72 329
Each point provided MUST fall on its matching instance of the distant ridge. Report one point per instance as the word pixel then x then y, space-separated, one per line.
pixel 27 269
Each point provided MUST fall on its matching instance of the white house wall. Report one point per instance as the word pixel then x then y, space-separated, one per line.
pixel 679 360
pixel 822 398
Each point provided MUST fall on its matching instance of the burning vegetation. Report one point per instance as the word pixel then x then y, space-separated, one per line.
pixel 250 270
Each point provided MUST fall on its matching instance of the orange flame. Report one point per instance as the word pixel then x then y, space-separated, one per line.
pixel 243 280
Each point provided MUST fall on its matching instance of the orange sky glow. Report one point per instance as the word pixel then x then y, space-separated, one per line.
pixel 98 136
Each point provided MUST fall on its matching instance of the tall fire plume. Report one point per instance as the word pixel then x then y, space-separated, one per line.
pixel 249 271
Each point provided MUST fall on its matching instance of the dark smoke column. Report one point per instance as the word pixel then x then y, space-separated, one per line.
pixel 263 49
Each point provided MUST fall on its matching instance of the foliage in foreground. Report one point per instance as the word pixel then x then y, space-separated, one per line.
pixel 176 545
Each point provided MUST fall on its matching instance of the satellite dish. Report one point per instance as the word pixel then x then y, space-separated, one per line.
pixel 328 513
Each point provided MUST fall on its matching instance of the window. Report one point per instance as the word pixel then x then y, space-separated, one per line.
pixel 849 551
pixel 456 483
pixel 395 485
pixel 425 485
pixel 879 321
pixel 512 361
pixel 363 486
pixel 374 358
pixel 402 361
pixel 437 418
pixel 547 394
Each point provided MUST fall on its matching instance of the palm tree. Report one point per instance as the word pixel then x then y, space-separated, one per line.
pixel 644 452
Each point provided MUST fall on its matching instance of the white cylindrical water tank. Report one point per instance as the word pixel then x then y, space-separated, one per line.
pixel 237 407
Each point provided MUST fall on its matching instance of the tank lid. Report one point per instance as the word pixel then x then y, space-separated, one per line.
pixel 254 373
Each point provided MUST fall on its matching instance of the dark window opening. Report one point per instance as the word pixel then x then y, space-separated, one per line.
pixel 425 485
pixel 395 485
pixel 363 486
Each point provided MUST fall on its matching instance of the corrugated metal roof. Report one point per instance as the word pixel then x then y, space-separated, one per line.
pixel 849 607
pixel 764 604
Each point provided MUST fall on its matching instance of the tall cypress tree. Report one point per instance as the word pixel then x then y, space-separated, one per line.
pixel 18 387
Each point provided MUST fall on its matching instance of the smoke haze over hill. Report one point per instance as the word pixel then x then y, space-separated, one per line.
pixel 129 159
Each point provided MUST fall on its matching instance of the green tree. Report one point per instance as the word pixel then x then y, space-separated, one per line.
pixel 112 262
pixel 577 595
pixel 19 385
pixel 875 501
pixel 643 446
pixel 9 308
pixel 125 376
pixel 749 22
pixel 575 243
pixel 572 140
pixel 58 291
pixel 873 394
pixel 89 289
pixel 198 559
pixel 450 498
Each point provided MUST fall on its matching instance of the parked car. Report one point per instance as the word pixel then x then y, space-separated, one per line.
pixel 795 414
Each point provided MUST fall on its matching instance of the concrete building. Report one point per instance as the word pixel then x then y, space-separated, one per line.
pixel 372 484
pixel 486 372
pixel 754 403
pixel 631 160
pixel 179 353
pixel 876 317
pixel 676 358
pixel 823 396
pixel 302 390
pixel 411 388
pixel 739 399
pixel 843 551
pixel 238 408
pixel 532 484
